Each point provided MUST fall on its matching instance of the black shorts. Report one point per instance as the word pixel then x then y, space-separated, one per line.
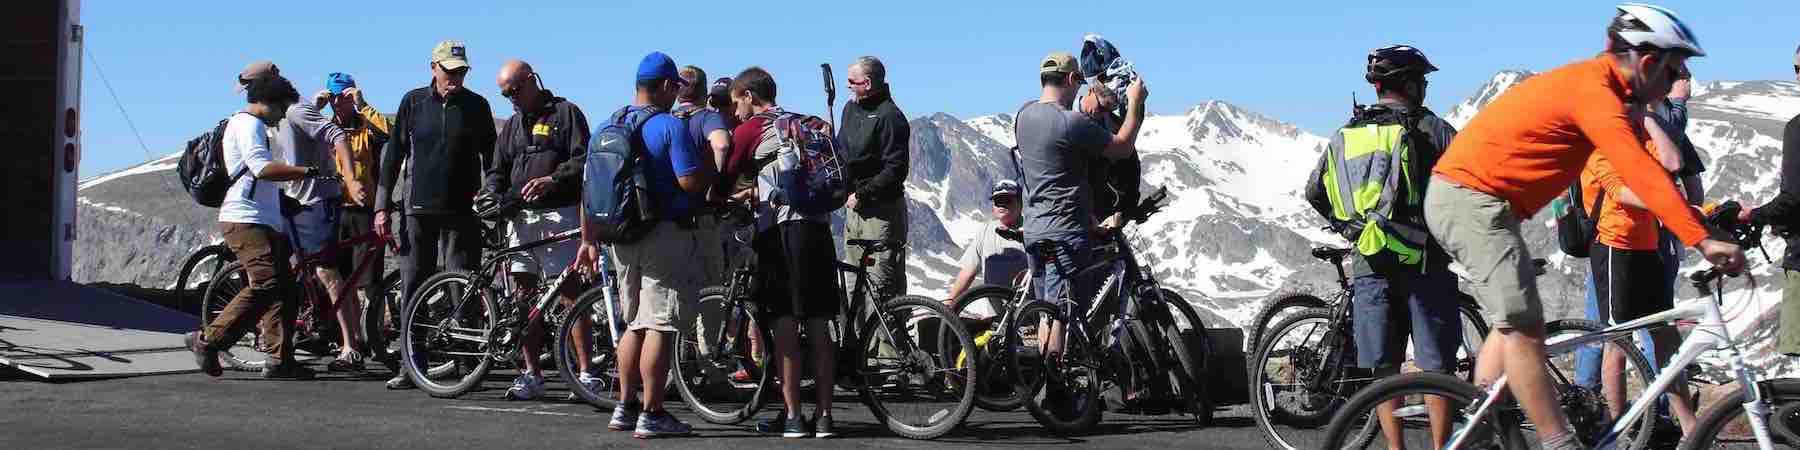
pixel 1629 284
pixel 797 264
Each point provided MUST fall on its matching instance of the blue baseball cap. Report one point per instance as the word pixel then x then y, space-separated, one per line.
pixel 657 66
pixel 337 82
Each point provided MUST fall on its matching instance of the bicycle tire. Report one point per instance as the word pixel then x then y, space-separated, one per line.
pixel 475 360
pixel 705 381
pixel 223 286
pixel 1350 428
pixel 1194 399
pixel 219 255
pixel 603 357
pixel 388 321
pixel 1637 365
pixel 1470 315
pixel 1034 381
pixel 1318 358
pixel 1725 421
pixel 1268 316
pixel 996 390
pixel 945 388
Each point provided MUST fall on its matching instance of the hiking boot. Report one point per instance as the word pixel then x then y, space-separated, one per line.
pixel 526 387
pixel 208 360
pixel 659 424
pixel 290 370
pixel 401 382
pixel 822 428
pixel 624 417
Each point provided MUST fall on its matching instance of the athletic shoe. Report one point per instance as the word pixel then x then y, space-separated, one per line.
pixel 287 371
pixel 208 360
pixel 586 381
pixel 526 387
pixel 400 382
pixel 624 416
pixel 795 429
pixel 351 362
pixel 822 428
pixel 658 424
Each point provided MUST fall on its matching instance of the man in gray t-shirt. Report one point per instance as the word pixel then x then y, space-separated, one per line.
pixel 996 256
pixel 1055 143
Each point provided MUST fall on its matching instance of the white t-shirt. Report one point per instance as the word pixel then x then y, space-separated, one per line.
pixel 246 143
pixel 996 260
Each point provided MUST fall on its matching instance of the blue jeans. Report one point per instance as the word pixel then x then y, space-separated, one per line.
pixel 1054 281
pixel 1389 308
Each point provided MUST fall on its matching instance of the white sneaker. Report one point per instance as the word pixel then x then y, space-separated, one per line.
pixel 525 387
pixel 587 382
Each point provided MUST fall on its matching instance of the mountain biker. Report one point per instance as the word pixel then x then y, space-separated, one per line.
pixel 727 189
pixel 1402 283
pixel 875 136
pixel 305 137
pixel 1115 183
pixel 537 164
pixel 366 131
pixel 248 221
pixel 796 262
pixel 1523 150
pixel 1782 213
pixel 1054 146
pixel 657 278
pixel 997 255
pixel 442 132
pixel 706 127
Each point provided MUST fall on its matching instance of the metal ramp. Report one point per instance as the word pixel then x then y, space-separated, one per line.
pixel 58 330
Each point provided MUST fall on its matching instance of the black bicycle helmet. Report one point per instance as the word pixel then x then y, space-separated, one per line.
pixel 1396 62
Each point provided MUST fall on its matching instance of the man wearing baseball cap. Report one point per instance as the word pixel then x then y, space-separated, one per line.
pixel 441 133
pixel 657 274
pixel 365 132
pixel 1054 145
pixel 997 255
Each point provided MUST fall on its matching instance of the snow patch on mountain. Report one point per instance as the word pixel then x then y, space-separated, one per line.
pixel 1495 86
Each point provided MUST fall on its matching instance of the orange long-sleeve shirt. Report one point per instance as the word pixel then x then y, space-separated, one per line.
pixel 1620 226
pixel 1529 144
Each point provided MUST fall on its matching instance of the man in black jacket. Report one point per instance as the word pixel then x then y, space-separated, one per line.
pixel 876 136
pixel 442 133
pixel 1781 214
pixel 537 166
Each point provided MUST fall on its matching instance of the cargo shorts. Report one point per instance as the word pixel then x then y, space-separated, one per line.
pixel 1481 231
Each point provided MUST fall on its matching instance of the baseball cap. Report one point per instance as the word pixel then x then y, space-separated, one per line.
pixel 1005 187
pixel 1057 62
pixel 658 66
pixel 450 54
pixel 337 82
pixel 720 87
pixel 256 70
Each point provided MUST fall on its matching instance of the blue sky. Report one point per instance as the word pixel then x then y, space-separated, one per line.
pixel 173 66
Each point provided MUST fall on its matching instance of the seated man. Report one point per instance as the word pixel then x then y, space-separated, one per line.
pixel 997 255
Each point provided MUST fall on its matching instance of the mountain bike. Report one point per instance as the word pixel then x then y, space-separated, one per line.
pixel 1161 331
pixel 459 324
pixel 316 329
pixel 1490 419
pixel 723 358
pixel 897 354
pixel 591 330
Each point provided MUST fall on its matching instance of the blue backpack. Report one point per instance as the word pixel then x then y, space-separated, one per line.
pixel 809 167
pixel 615 187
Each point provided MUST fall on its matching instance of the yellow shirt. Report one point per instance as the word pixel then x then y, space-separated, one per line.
pixel 359 168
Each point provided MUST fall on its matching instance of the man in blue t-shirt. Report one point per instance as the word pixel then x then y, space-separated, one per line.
pixel 707 129
pixel 657 277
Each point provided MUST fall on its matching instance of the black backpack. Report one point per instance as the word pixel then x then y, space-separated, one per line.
pixel 1575 229
pixel 202 167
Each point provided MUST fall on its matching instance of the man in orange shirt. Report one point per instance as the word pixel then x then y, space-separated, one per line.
pixel 1521 151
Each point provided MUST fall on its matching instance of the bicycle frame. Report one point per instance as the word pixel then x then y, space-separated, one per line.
pixel 1710 334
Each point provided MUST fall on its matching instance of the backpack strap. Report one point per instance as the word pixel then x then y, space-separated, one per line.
pixel 1592 215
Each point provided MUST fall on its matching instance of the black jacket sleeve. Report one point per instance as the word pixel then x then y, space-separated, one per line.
pixel 1315 184
pixel 484 137
pixel 1126 175
pixel 1782 209
pixel 568 174
pixel 397 150
pixel 895 137
pixel 499 168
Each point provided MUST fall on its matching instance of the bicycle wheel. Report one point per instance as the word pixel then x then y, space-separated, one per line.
pixel 1061 390
pixel 1349 430
pixel 1181 325
pixel 1276 311
pixel 1725 426
pixel 1299 378
pixel 1586 406
pixel 225 284
pixel 998 388
pixel 196 273
pixel 1475 331
pixel 909 384
pixel 448 323
pixel 712 351
pixel 595 340
pixel 387 323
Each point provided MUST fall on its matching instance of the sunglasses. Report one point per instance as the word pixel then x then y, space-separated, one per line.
pixel 1797 69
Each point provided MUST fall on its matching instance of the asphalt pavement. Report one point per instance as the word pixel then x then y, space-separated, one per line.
pixel 241 410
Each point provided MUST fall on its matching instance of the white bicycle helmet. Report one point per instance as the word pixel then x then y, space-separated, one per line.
pixel 1639 25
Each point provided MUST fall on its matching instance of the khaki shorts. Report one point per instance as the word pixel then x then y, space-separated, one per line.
pixel 530 226
pixel 1482 232
pixel 658 276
